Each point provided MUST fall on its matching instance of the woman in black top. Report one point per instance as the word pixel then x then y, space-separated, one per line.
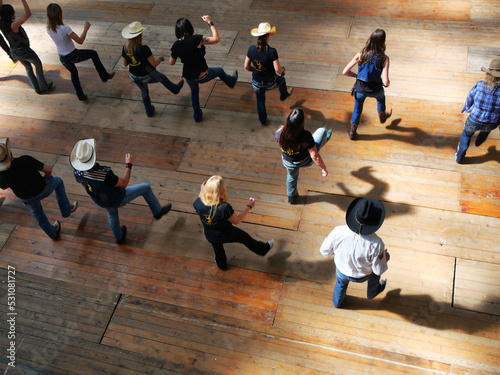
pixel 300 148
pixel 142 65
pixel 267 72
pixel 191 50
pixel 20 45
pixel 218 217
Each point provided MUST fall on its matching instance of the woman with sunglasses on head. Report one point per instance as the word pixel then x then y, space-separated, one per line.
pixel 20 45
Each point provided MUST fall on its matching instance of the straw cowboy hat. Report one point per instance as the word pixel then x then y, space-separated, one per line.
pixel 133 30
pixel 4 154
pixel 263 29
pixel 83 155
pixel 365 216
pixel 494 68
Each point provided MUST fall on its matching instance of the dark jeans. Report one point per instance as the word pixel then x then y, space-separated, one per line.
pixel 373 290
pixel 195 88
pixel 472 126
pixel 27 56
pixel 260 89
pixel 77 56
pixel 359 100
pixel 153 77
pixel 237 235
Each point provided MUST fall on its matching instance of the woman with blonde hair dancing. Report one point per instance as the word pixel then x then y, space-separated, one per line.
pixel 218 217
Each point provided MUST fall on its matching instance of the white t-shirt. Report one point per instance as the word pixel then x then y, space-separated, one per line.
pixel 355 255
pixel 62 40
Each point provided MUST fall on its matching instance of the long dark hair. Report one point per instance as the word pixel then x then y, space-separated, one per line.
pixel 375 45
pixel 6 12
pixel 183 28
pixel 291 135
pixel 262 42
pixel 54 16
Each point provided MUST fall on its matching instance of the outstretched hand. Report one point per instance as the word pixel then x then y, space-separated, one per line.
pixel 129 158
pixel 251 202
pixel 206 18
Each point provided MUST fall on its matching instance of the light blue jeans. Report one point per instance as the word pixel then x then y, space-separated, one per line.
pixel 34 204
pixel 292 169
pixel 195 88
pixel 374 286
pixel 131 193
pixel 27 56
pixel 472 126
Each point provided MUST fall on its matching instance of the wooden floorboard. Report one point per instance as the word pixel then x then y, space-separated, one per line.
pixel 158 304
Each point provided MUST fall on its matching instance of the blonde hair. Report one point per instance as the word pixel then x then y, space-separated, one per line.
pixel 214 193
pixel 133 45
pixel 491 81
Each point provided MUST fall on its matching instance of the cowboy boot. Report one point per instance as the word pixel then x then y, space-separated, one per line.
pixel 351 131
pixel 384 115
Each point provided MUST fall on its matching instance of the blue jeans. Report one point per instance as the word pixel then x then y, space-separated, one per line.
pixel 292 169
pixel 260 89
pixel 77 56
pixel 373 290
pixel 27 56
pixel 153 77
pixel 359 100
pixel 53 183
pixel 195 89
pixel 131 193
pixel 472 126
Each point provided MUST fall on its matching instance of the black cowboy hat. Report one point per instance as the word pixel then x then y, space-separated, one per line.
pixel 365 216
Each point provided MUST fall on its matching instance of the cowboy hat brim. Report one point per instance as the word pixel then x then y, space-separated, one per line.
pixel 77 164
pixel 255 32
pixel 353 224
pixel 5 163
pixel 128 35
pixel 494 73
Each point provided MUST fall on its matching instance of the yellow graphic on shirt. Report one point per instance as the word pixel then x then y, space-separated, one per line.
pixel 290 152
pixel 89 188
pixel 208 220
pixel 258 65
pixel 134 62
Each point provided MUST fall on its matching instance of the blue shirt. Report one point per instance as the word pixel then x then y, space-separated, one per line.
pixel 483 103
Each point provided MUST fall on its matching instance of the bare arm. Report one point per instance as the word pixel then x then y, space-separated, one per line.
pixel 80 39
pixel 347 70
pixel 236 219
pixel 18 22
pixel 278 68
pixel 123 182
pixel 125 61
pixel 318 160
pixel 47 171
pixel 172 61
pixel 156 62
pixel 248 64
pixel 215 38
pixel 385 73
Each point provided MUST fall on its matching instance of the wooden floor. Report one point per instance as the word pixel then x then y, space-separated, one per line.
pixel 158 304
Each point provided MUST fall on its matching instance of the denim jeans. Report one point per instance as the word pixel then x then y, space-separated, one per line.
pixel 131 193
pixel 240 236
pixel 53 183
pixel 260 89
pixel 77 56
pixel 153 77
pixel 27 56
pixel 359 100
pixel 339 292
pixel 472 126
pixel 292 169
pixel 195 88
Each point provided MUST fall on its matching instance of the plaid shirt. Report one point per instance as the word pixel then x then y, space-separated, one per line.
pixel 483 103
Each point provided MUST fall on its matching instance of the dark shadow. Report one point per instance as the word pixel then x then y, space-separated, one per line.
pixel 313 114
pixel 423 310
pixel 303 269
pixel 50 75
pixel 2 199
pixel 491 154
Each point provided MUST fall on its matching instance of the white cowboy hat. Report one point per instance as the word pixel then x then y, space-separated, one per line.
pixel 83 155
pixel 4 154
pixel 263 29
pixel 133 30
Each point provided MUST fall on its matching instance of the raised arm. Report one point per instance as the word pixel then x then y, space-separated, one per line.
pixel 123 181
pixel 19 21
pixel 80 39
pixel 236 219
pixel 214 39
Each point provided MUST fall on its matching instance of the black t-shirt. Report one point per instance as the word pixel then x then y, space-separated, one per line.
pixel 191 56
pixel 301 153
pixel 370 87
pixel 214 223
pixel 19 40
pixel 99 182
pixel 138 62
pixel 23 177
pixel 262 62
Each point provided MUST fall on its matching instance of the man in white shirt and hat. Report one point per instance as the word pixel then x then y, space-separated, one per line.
pixel 108 190
pixel 360 254
pixel 22 175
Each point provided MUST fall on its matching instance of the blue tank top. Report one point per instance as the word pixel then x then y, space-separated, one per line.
pixel 372 70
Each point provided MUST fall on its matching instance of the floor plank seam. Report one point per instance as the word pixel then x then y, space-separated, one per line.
pixel 111 317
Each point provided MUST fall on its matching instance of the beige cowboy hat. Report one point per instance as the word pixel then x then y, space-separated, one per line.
pixel 494 68
pixel 133 30
pixel 4 154
pixel 263 29
pixel 83 155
